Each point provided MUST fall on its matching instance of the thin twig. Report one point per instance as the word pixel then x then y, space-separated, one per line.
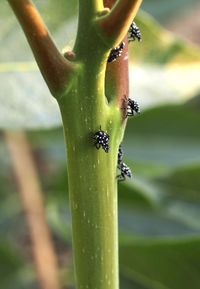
pixel 117 78
pixel 115 24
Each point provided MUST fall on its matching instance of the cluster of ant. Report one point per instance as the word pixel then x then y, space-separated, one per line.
pixel 101 138
pixel 133 34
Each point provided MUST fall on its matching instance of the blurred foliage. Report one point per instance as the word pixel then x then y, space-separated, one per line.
pixel 159 209
pixel 172 63
pixel 159 46
pixel 164 11
pixel 162 264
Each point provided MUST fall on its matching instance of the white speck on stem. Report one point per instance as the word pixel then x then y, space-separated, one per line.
pixel 84 214
pixel 81 108
pixel 107 193
pixel 110 121
pixel 74 148
pixel 94 166
pixel 75 205
pixel 83 250
pixel 88 221
pixel 106 276
pixel 98 161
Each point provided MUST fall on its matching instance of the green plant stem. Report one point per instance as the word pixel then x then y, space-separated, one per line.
pixel 114 24
pixel 91 172
pixel 89 7
pixel 85 108
pixel 92 181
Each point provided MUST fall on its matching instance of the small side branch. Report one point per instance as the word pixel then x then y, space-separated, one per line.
pixel 117 78
pixel 53 66
pixel 115 24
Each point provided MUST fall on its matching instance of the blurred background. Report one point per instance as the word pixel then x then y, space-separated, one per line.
pixel 159 209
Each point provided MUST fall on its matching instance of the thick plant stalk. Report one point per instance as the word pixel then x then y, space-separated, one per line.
pixel 92 98
pixel 32 204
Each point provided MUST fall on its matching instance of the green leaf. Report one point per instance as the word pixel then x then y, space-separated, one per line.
pixel 183 183
pixel 135 194
pixel 162 264
pixel 166 136
pixel 59 17
pixel 13 273
pixel 22 82
pixel 9 261
pixel 159 46
pixel 25 99
pixel 145 223
pixel 183 199
pixel 164 11
pixel 155 85
pixel 164 68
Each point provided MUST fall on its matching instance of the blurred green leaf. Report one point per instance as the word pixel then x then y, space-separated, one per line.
pixel 136 194
pixel 59 216
pixel 162 264
pixel 182 189
pixel 161 223
pixel 164 11
pixel 164 68
pixel 187 212
pixel 13 273
pixel 22 87
pixel 159 46
pixel 10 261
pixel 58 16
pixel 195 101
pixel 155 85
pixel 126 283
pixel 166 136
pixel 183 183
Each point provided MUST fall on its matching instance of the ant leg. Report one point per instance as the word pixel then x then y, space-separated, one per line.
pixel 97 145
pixel 121 178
